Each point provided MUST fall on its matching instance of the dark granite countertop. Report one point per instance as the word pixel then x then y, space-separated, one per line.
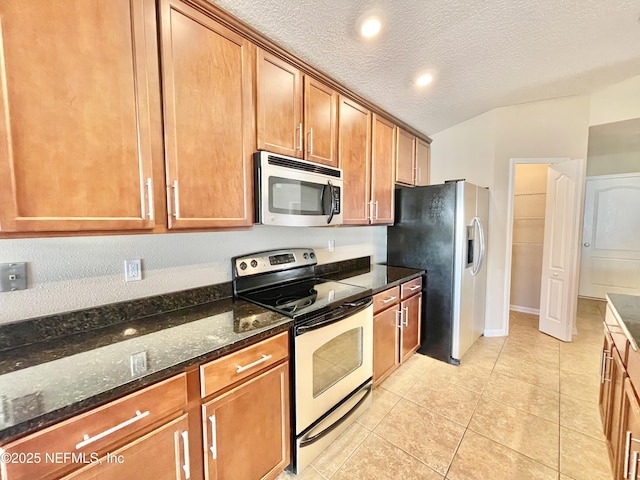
pixel 53 368
pixel 377 278
pixel 43 383
pixel 627 310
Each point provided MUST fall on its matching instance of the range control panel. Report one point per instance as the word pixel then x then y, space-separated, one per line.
pixel 273 261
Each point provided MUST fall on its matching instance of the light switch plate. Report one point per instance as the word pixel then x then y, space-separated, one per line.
pixel 13 276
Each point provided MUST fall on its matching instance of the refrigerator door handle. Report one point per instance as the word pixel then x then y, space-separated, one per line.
pixel 478 264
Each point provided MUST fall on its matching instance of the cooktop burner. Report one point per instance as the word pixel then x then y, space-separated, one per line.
pixel 304 297
pixel 284 281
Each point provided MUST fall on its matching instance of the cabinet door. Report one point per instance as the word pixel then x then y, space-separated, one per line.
pixel 406 152
pixel 615 375
pixel 320 122
pixel 605 387
pixel 628 461
pixel 355 161
pixel 75 140
pixel 207 73
pixel 411 313
pixel 279 106
pixel 423 162
pixel 160 454
pixel 382 170
pixel 246 431
pixel 386 343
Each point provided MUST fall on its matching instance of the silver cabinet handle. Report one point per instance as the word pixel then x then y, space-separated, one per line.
pixel 627 453
pixel 176 204
pixel 387 300
pixel 310 149
pixel 87 439
pixel 634 466
pixel 214 443
pixel 299 136
pixel 414 288
pixel 185 448
pixel 370 203
pixel 399 318
pixel 603 362
pixel 405 317
pixel 150 198
pixel 376 209
pixel 587 244
pixel 419 179
pixel 251 365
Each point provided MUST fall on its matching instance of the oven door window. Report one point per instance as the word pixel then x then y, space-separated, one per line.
pixel 336 359
pixel 296 197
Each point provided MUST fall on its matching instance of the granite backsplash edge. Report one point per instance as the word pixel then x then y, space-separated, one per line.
pixel 41 329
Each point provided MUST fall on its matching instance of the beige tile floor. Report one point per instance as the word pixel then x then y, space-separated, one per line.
pixel 519 407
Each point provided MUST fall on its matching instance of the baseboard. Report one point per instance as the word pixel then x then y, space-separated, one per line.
pixel 496 332
pixel 516 308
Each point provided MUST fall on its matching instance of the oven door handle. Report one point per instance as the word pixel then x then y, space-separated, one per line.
pixel 308 441
pixel 354 307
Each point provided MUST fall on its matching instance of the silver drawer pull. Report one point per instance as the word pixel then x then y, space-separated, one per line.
pixel 87 439
pixel 414 288
pixel 390 299
pixel 214 443
pixel 185 446
pixel 251 365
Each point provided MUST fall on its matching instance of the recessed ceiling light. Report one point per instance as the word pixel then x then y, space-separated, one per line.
pixel 424 80
pixel 370 27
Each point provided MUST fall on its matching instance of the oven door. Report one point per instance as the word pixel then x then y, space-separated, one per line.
pixel 331 361
pixel 293 196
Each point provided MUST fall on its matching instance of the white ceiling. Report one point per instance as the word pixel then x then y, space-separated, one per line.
pixel 484 54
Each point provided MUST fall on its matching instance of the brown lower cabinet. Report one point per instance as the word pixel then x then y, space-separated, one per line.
pixel 619 405
pixel 396 327
pixel 160 454
pixel 246 430
pixel 157 433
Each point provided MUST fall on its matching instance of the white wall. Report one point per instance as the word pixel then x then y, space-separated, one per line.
pixel 617 102
pixel 552 128
pixel 79 272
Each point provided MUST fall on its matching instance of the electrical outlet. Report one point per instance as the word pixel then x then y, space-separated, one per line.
pixel 332 245
pixel 138 363
pixel 13 276
pixel 132 270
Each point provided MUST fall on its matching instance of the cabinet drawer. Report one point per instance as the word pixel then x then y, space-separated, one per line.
pixel 412 287
pixel 227 370
pixel 93 432
pixel 386 299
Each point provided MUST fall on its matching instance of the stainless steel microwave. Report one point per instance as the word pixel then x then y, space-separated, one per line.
pixel 296 193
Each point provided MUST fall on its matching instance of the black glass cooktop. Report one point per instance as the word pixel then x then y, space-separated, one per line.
pixel 306 297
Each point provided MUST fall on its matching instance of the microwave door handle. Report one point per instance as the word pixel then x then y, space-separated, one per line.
pixel 332 211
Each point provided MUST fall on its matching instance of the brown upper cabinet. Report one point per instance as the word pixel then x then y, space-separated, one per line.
pixel 207 73
pixel 383 150
pixel 367 154
pixel 292 120
pixel 413 158
pixel 355 161
pixel 75 135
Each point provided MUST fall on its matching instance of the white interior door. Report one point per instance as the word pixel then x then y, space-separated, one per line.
pixel 611 236
pixel 561 250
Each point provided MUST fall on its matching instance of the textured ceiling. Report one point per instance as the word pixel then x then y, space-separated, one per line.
pixel 483 54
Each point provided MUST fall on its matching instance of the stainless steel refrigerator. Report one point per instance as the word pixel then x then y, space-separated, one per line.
pixel 442 229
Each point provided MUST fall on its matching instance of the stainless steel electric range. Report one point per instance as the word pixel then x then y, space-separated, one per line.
pixel 332 342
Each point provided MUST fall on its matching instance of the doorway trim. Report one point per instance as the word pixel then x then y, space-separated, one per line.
pixel 509 245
